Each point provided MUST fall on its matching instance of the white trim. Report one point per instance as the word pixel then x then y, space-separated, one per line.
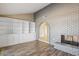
pixel 44 41
pixel 47 32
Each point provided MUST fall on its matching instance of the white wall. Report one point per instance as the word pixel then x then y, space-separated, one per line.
pixel 63 19
pixel 13 31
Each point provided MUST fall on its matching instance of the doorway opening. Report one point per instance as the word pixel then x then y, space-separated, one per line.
pixel 44 32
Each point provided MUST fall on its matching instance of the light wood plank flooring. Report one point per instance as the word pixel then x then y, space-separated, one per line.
pixel 34 48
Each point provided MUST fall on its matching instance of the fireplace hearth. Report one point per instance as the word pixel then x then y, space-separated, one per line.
pixel 70 39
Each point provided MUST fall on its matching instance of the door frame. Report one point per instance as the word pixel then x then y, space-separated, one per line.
pixel 47 31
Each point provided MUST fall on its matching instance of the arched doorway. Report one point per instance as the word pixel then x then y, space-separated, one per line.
pixel 43 32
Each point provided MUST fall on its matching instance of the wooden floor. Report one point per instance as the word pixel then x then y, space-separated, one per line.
pixel 34 48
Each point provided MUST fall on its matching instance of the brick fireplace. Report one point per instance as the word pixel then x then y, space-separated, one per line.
pixel 70 39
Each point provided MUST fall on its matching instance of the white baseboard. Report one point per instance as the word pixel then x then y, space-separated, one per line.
pixel 44 41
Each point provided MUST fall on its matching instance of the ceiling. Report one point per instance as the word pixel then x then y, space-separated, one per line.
pixel 20 8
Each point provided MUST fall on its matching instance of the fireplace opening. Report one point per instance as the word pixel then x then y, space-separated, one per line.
pixel 70 39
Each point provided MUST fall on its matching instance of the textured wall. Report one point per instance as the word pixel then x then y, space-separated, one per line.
pixel 63 19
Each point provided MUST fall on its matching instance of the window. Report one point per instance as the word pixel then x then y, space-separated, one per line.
pixel 32 27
